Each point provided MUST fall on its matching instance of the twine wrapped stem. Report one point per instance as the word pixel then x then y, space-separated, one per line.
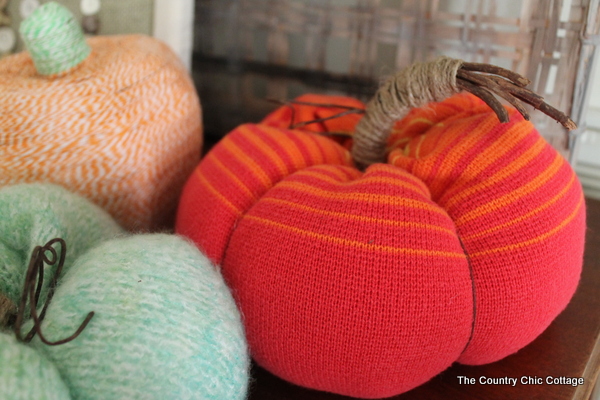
pixel 435 81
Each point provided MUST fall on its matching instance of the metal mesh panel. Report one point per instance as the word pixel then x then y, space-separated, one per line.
pixel 549 41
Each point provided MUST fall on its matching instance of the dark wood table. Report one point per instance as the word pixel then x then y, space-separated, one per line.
pixel 569 347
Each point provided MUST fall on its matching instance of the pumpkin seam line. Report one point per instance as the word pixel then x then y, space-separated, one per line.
pixel 473 292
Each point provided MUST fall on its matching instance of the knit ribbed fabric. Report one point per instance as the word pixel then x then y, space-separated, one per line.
pixel 25 374
pixel 165 324
pixel 464 247
pixel 518 208
pixel 123 129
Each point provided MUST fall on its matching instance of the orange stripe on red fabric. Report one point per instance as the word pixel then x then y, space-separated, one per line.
pixel 435 113
pixel 241 156
pixel 534 240
pixel 361 218
pixel 511 197
pixel 283 143
pixel 513 168
pixel 559 196
pixel 360 196
pixel 266 155
pixel 495 156
pixel 315 149
pixel 447 137
pixel 354 243
pixel 330 173
pixel 205 183
pixel 398 181
pixel 501 151
pixel 466 138
pixel 210 157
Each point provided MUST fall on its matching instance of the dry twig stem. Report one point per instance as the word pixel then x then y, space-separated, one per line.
pixel 415 85
pixel 512 89
pixel 487 97
pixel 313 121
pixel 495 70
pixel 497 86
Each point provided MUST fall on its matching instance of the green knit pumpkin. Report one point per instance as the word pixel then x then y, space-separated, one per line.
pixel 26 374
pixel 165 325
pixel 32 214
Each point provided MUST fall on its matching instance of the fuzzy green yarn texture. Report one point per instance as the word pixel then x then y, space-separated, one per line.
pixel 165 324
pixel 31 215
pixel 25 374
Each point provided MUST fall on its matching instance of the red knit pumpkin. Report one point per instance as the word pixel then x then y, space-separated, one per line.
pixel 463 247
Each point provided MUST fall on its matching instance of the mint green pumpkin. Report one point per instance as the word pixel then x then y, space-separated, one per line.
pixel 31 215
pixel 26 374
pixel 165 325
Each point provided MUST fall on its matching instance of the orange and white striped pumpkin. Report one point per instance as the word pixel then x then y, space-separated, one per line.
pixel 123 128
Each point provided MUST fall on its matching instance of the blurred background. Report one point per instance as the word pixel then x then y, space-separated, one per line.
pixel 243 52
pixel 249 50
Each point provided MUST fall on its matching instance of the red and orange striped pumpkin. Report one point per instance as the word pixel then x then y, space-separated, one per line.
pixel 463 247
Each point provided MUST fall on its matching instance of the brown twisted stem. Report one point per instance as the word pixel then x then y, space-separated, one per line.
pixel 34 276
pixel 508 85
pixel 422 83
pixel 495 70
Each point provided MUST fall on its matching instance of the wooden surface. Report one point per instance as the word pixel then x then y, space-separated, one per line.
pixel 568 348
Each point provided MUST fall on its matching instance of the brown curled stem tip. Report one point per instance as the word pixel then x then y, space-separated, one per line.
pixel 494 70
pixel 338 115
pixel 434 81
pixel 508 85
pixel 32 288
